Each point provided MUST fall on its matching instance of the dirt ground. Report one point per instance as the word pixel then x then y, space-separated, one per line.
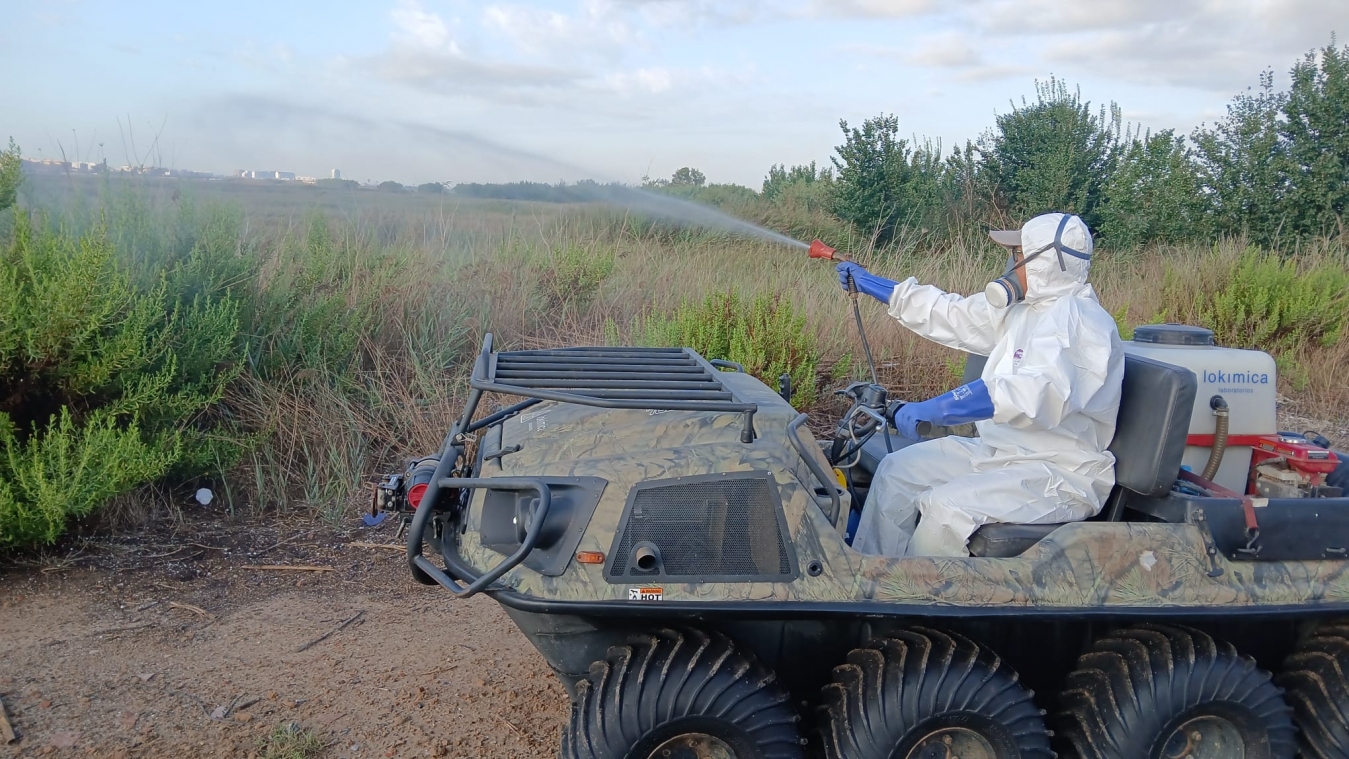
pixel 167 645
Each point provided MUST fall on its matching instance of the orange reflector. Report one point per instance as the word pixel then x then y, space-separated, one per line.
pixel 590 557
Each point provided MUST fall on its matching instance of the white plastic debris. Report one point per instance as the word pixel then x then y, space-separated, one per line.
pixel 205 496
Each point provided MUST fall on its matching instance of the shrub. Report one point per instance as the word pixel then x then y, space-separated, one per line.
pixel 780 178
pixel 766 335
pixel 11 172
pixel 103 386
pixel 570 279
pixel 1264 302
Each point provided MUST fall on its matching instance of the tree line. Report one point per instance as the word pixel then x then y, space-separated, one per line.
pixel 1275 168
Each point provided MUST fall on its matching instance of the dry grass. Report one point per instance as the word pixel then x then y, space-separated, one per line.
pixel 324 439
pixel 417 283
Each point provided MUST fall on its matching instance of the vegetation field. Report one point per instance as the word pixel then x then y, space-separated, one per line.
pixel 297 345
pixel 279 344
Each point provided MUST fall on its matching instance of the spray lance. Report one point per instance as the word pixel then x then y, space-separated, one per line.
pixel 869 400
pixel 868 412
pixel 820 250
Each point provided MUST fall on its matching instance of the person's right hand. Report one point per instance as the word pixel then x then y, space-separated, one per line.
pixel 879 288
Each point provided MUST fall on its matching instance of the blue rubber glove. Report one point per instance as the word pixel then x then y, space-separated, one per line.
pixel 879 288
pixel 967 403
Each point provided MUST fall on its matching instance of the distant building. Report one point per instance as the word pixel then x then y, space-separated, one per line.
pixel 337 173
pixel 285 175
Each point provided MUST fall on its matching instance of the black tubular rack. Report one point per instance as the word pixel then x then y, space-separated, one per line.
pixel 664 379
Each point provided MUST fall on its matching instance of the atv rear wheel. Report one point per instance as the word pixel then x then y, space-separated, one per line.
pixel 681 695
pixel 1316 677
pixel 1162 692
pixel 926 694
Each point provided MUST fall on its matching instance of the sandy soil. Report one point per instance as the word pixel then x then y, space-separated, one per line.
pixel 120 650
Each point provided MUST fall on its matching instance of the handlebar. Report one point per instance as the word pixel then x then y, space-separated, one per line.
pixel 813 464
pixel 473 586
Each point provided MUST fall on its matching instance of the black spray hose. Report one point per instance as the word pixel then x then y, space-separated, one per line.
pixel 1215 455
pixel 862 333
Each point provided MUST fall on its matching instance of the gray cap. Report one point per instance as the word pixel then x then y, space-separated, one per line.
pixel 1010 238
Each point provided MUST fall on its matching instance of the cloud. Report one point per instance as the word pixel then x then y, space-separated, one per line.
pixel 1215 45
pixel 424 54
pixel 419 27
pixel 698 13
pixel 597 27
pixel 450 72
pixel 870 8
pixel 949 50
pixel 653 80
pixel 543 66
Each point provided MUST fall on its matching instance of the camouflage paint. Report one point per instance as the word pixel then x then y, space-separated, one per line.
pixel 1090 565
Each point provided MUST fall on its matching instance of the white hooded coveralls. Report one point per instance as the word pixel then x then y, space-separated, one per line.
pixel 1055 366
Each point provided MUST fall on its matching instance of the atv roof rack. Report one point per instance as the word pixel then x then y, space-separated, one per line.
pixel 663 379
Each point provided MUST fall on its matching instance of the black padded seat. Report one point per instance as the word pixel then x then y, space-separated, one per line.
pixel 1156 402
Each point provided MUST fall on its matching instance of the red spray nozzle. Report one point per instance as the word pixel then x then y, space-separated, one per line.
pixel 820 250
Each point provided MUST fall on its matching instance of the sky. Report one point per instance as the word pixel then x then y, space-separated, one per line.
pixel 458 91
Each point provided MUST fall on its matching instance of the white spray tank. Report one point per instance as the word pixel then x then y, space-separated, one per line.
pixel 1245 379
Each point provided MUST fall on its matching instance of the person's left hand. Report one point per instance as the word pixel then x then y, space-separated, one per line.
pixel 907 418
pixel 867 283
pixel 847 270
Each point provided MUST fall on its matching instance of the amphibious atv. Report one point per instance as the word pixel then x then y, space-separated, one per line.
pixel 670 536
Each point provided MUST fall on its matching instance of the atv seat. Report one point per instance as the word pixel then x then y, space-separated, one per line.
pixel 1154 419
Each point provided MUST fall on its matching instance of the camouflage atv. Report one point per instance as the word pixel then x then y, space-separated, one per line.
pixel 669 535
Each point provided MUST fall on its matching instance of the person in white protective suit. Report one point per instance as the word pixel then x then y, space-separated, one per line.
pixel 1045 405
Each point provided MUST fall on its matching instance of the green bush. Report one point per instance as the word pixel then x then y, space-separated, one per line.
pixel 883 183
pixel 569 280
pixel 103 385
pixel 766 335
pixel 1265 302
pixel 1153 195
pixel 11 173
pixel 1315 130
pixel 1054 154
pixel 1241 166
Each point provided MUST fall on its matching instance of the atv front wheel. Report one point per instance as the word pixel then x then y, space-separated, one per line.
pixel 1161 692
pixel 923 693
pixel 1316 677
pixel 681 695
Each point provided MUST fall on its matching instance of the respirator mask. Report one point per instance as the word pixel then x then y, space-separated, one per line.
pixel 1006 290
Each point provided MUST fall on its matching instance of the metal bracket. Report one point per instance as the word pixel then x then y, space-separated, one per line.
pixel 1210 545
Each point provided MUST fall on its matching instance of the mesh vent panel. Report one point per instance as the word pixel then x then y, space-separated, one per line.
pixel 724 527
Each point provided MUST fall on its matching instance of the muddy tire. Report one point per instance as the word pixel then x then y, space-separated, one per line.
pixel 1156 692
pixel 1316 678
pixel 681 695
pixel 926 693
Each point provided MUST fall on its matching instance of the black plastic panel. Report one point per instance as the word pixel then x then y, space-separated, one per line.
pixel 574 502
pixel 709 528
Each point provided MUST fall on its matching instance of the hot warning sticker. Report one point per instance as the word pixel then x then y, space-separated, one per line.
pixel 646 594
